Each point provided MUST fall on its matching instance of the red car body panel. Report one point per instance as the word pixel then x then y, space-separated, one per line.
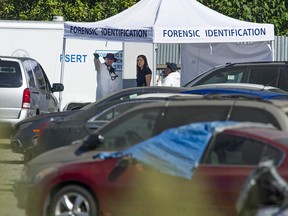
pixel 213 189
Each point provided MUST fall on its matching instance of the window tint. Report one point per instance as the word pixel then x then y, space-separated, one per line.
pixel 134 129
pixel 10 74
pixel 264 75
pixel 177 116
pixel 226 75
pixel 39 76
pixel 29 72
pixel 114 111
pixel 236 150
pixel 283 80
pixel 253 115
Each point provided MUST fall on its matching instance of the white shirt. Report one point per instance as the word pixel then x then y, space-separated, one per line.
pixel 172 79
pixel 105 85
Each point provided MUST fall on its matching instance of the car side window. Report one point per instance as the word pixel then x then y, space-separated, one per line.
pixel 241 113
pixel 129 96
pixel 226 75
pixel 283 80
pixel 267 76
pixel 39 75
pixel 124 133
pixel 177 116
pixel 29 72
pixel 236 150
pixel 114 111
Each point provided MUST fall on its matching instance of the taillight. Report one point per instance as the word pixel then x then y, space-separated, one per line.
pixel 26 98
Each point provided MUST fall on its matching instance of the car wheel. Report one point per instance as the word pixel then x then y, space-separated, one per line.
pixel 73 200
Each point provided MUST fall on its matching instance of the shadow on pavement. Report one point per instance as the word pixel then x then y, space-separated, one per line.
pixel 11 162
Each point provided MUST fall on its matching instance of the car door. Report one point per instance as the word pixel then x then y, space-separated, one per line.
pixel 47 101
pixel 163 194
pixel 226 164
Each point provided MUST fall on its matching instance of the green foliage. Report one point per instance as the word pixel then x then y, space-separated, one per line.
pixel 71 10
pixel 260 11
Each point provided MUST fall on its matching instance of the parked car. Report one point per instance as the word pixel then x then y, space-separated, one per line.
pixel 52 135
pixel 145 121
pixel 80 124
pixel 274 73
pixel 26 131
pixel 25 91
pixel 159 176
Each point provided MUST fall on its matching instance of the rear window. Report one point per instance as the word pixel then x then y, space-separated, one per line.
pixel 10 74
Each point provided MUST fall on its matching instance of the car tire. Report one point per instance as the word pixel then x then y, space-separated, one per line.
pixel 86 202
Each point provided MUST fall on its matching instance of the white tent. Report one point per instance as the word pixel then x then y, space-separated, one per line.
pixel 169 21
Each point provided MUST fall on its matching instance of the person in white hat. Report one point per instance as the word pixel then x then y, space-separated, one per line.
pixel 107 79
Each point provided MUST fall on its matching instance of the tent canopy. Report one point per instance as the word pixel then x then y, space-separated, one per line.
pixel 170 21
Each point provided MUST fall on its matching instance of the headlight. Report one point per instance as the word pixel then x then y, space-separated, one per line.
pixel 43 173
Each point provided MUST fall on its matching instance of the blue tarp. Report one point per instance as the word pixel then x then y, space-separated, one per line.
pixel 257 93
pixel 176 151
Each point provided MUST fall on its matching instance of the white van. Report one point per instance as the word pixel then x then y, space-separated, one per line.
pixel 24 91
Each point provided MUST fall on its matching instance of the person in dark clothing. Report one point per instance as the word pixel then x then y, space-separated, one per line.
pixel 144 73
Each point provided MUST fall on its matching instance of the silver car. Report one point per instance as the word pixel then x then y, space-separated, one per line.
pixel 24 91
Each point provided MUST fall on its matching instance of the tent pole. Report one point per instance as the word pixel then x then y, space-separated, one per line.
pixel 62 69
pixel 273 50
pixel 155 48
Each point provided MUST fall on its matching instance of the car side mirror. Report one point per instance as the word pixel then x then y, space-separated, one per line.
pixel 57 87
pixel 90 142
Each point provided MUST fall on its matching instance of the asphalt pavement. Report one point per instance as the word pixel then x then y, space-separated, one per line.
pixel 11 165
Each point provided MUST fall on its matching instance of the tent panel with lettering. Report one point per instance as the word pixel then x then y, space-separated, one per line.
pixel 170 21
pixel 206 36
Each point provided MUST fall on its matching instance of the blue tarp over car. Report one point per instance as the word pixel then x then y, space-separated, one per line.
pixel 175 151
pixel 257 93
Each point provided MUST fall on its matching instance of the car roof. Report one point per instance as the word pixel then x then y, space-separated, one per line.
pixel 255 63
pixel 134 91
pixel 216 100
pixel 229 64
pixel 256 132
pixel 239 91
pixel 247 86
pixel 166 95
pixel 15 57
pixel 102 107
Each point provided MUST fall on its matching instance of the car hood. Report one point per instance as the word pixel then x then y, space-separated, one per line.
pixel 46 116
